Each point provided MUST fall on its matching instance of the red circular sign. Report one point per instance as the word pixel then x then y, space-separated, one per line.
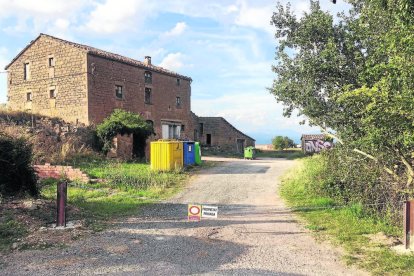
pixel 194 210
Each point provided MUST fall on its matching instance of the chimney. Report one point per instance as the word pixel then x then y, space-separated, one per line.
pixel 147 60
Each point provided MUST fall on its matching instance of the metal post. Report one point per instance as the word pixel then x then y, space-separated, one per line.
pixel 62 189
pixel 409 224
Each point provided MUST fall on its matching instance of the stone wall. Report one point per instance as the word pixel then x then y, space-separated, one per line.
pixel 122 147
pixel 223 135
pixel 67 78
pixel 52 139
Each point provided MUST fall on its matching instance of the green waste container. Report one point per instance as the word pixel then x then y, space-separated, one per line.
pixel 249 153
pixel 197 151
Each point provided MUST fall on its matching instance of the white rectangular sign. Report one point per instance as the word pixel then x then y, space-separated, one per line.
pixel 209 211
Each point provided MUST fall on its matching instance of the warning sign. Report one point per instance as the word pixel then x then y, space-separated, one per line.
pixel 209 211
pixel 194 212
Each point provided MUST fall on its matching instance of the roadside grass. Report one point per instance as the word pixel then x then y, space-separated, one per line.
pixel 122 188
pixel 289 154
pixel 10 231
pixel 349 226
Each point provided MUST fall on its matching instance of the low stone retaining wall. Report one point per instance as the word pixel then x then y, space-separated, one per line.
pixel 49 171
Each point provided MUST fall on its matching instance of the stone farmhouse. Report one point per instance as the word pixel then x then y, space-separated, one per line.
pixel 83 84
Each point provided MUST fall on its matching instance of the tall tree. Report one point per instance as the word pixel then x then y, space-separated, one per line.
pixel 354 75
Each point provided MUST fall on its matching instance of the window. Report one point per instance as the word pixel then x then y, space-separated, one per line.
pixel 178 82
pixel 178 101
pixel 171 131
pixel 51 62
pixel 29 97
pixel 26 71
pixel 148 77
pixel 201 128
pixel 147 98
pixel 174 131
pixel 118 91
pixel 52 93
pixel 182 127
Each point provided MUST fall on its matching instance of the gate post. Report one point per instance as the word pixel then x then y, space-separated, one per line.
pixel 409 224
pixel 62 189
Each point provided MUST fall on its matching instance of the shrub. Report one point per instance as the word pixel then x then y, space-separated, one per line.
pixel 49 143
pixel 281 143
pixel 350 179
pixel 17 173
pixel 122 122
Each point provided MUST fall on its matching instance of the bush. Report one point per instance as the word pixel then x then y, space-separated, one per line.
pixel 17 173
pixel 350 179
pixel 122 122
pixel 49 144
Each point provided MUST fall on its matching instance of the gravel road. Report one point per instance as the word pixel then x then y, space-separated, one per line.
pixel 254 235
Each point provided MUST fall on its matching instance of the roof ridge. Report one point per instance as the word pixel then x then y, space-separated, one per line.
pixel 104 54
pixel 227 122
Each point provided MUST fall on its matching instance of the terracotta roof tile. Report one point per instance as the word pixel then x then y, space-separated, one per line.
pixel 108 55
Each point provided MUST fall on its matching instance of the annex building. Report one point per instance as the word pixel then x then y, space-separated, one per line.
pixel 83 84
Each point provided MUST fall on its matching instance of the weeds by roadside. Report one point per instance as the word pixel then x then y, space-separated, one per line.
pixel 10 231
pixel 367 239
pixel 289 154
pixel 119 190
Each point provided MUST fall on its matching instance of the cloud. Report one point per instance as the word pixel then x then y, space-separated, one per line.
pixel 28 8
pixel 178 29
pixel 173 61
pixel 3 76
pixel 255 17
pixel 111 16
pixel 3 58
pixel 250 112
pixel 39 16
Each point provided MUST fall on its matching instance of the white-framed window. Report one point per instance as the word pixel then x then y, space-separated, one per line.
pixel 171 131
pixel 26 70
pixel 178 101
pixel 119 91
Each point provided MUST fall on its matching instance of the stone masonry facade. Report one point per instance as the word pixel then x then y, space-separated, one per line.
pixel 217 133
pixel 82 84
pixel 66 77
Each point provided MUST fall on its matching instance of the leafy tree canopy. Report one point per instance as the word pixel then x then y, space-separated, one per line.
pixel 353 74
pixel 281 143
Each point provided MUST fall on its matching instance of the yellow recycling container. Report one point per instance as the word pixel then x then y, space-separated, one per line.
pixel 166 155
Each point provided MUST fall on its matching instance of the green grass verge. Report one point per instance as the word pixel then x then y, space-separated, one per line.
pixel 348 226
pixel 125 187
pixel 289 154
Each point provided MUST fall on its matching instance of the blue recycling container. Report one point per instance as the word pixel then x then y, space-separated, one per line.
pixel 189 153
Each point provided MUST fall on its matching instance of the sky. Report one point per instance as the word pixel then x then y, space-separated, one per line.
pixel 226 46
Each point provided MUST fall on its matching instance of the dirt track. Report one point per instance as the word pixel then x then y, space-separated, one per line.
pixel 254 234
